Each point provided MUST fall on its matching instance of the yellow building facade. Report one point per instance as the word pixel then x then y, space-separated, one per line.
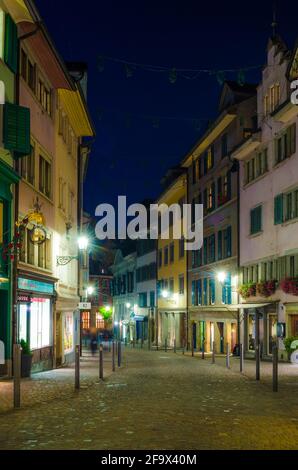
pixel 171 323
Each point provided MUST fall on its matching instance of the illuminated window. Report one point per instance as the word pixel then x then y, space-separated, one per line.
pixel 40 323
pixel 86 320
pixel 100 324
pixel 45 176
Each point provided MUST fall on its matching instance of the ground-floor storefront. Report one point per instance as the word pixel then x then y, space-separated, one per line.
pixel 213 329
pixel 172 328
pixel 35 318
pixel 67 330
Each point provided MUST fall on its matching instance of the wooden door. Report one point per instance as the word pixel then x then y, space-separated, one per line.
pixel 294 325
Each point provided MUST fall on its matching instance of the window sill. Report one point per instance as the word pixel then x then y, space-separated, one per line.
pixel 254 235
pixel 282 162
pixel 289 222
pixel 260 177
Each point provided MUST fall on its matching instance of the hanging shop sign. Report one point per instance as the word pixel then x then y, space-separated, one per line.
pixel 35 286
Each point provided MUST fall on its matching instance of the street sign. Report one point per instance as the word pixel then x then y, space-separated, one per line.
pixel 85 305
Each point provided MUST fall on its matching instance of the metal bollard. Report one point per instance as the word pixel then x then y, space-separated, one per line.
pixel 192 349
pixel 101 362
pixel 213 352
pixel 203 350
pixel 258 359
pixel 228 356
pixel 17 352
pixel 77 367
pixel 241 357
pixel 113 356
pixel 166 345
pixel 175 345
pixel 275 368
pixel 119 354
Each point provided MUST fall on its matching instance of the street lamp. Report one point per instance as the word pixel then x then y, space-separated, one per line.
pixel 165 294
pixel 221 276
pixel 90 290
pixel 83 242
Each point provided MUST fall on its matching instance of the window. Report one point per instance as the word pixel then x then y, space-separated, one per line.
pixel 44 97
pixel 28 166
pixel 44 254
pixel 11 44
pixel 143 299
pixel 211 249
pixel 16 129
pixel 285 207
pixel 166 255
pixel 31 76
pixel 227 242
pixel 171 285
pixel 152 299
pixel 224 145
pixel 172 252
pixel 100 323
pixel 40 311
pixel 256 220
pixel 256 167
pixel 211 291
pixel 24 65
pixel 181 284
pixel 45 177
pixel 181 248
pixel 86 320
pixel 274 96
pixel 285 144
pixel 278 209
pixel 159 258
pixel 227 290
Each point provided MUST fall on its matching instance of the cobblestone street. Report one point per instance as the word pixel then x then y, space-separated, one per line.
pixel 157 400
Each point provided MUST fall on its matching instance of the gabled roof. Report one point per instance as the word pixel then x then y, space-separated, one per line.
pixel 233 93
pixel 292 71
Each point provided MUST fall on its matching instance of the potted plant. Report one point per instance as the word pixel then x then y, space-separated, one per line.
pixel 288 342
pixel 26 359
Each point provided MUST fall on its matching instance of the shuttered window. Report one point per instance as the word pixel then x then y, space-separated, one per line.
pixel 256 220
pixel 278 209
pixel 16 130
pixel 11 44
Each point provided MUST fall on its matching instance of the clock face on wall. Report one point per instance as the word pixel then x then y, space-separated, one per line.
pixel 38 235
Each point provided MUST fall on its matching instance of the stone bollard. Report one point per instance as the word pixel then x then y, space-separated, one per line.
pixel 77 367
pixel 275 368
pixel 228 356
pixel 113 356
pixel 101 362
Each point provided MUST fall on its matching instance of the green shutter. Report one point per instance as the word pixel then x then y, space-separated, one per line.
pixel 16 129
pixel 11 44
pixel 278 209
pixel 256 220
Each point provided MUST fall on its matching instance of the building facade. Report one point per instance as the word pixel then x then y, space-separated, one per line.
pixel 171 322
pixel 48 271
pixel 269 211
pixel 146 271
pixel 14 139
pixel 213 182
pixel 125 297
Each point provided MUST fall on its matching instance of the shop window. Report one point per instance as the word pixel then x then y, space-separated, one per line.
pixel 40 311
pixel 24 310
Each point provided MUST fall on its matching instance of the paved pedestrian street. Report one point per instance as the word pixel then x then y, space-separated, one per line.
pixel 156 400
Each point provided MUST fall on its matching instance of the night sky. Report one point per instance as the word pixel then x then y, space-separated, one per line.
pixel 132 153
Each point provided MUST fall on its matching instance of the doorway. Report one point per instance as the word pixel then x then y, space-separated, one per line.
pixel 220 326
pixel 194 335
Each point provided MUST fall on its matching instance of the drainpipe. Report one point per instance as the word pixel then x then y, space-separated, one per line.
pixel 238 247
